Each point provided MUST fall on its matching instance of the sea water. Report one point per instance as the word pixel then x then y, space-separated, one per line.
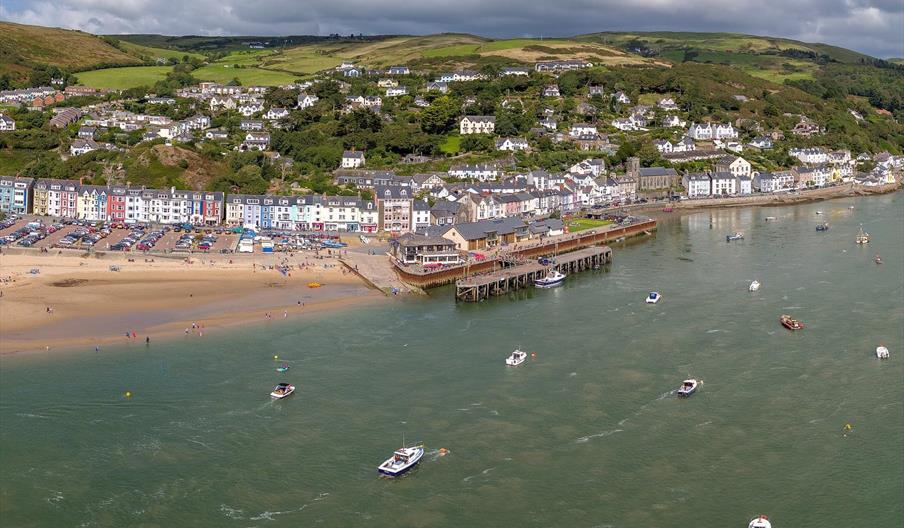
pixel 587 432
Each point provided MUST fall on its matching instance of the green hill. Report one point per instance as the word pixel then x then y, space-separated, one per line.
pixel 22 48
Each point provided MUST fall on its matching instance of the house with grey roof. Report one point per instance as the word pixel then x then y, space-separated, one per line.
pixel 489 233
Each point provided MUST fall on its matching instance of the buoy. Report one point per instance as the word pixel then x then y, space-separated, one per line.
pixel 533 354
pixel 443 451
pixel 275 357
pixel 128 394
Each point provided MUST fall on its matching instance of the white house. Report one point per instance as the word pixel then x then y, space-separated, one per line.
pixel 623 123
pixel 352 159
pixel 307 100
pixel 398 70
pixel 551 91
pixel 582 129
pixel 761 142
pixel 809 155
pixel 723 184
pixel 512 144
pixel 82 146
pixel 745 185
pixel 664 146
pixel 396 91
pixel 667 104
pixel 697 184
pixel 672 121
pixel 477 125
pixel 734 165
pixel 701 131
pixel 686 144
pixel 7 124
pixel 276 113
pixel 724 131
pixel 621 97
pixel 249 109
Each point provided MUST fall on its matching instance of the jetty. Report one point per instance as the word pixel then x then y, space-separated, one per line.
pixel 479 287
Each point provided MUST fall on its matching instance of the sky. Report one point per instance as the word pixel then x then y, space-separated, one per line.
pixel 874 27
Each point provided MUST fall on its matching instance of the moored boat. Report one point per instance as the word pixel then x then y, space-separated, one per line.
pixel 878 259
pixel 790 323
pixel 760 522
pixel 882 352
pixel 552 278
pixel 822 227
pixel 282 390
pixel 754 286
pixel 282 368
pixel 401 461
pixel 735 236
pixel 770 218
pixel 653 297
pixel 862 236
pixel 688 387
pixel 516 358
pixel 818 212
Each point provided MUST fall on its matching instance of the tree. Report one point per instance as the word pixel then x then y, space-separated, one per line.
pixel 247 180
pixel 439 117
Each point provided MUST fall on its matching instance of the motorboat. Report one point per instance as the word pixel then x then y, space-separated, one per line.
pixel 688 387
pixel 862 236
pixel 760 522
pixel 882 352
pixel 282 368
pixel 653 297
pixel 770 218
pixel 282 390
pixel 516 358
pixel 552 278
pixel 401 461
pixel 822 227
pixel 754 286
pixel 878 259
pixel 735 236
pixel 790 323
pixel 818 212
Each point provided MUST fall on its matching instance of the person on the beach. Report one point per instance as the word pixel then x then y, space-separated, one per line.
pixel 147 340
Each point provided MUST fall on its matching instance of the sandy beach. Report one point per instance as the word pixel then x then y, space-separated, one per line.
pixel 90 305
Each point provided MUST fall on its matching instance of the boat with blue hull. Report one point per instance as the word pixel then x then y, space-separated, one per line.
pixel 552 278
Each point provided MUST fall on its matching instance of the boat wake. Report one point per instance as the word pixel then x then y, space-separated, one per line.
pixel 714 331
pixel 585 439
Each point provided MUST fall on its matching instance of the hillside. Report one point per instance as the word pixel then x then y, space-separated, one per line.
pixel 23 47
pixel 772 58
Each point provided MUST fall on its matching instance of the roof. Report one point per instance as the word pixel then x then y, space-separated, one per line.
pixel 544 226
pixel 657 171
pixel 478 230
pixel 697 176
pixel 357 154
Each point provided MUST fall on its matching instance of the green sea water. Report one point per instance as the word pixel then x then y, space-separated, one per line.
pixel 588 433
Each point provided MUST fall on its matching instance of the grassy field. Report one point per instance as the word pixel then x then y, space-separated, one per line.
pixel 302 60
pixel 123 78
pixel 583 224
pixel 451 145
pixel 248 76
pixel 156 53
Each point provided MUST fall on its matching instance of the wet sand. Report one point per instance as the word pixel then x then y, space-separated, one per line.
pixel 93 306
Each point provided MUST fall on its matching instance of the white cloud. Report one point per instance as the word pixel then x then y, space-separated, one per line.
pixel 871 26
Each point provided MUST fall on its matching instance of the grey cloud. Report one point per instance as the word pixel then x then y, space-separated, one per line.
pixel 875 27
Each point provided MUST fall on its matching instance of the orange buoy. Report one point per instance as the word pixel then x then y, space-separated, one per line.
pixel 443 451
pixel 533 354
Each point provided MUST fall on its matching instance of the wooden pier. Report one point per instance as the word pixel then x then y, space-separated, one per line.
pixel 480 287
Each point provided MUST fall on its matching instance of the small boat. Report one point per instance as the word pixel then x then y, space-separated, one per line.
pixel 313 285
pixel 790 323
pixel 770 218
pixel 401 461
pixel 653 297
pixel 760 522
pixel 882 352
pixel 822 227
pixel 282 368
pixel 667 209
pixel 878 259
pixel 754 286
pixel 552 278
pixel 818 212
pixel 735 236
pixel 688 387
pixel 282 390
pixel 516 358
pixel 862 236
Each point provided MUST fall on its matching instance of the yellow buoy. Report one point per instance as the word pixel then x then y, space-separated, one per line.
pixel 275 357
pixel 128 394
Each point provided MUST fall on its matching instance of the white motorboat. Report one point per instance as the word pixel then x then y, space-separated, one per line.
pixel 653 297
pixel 770 218
pixel 688 387
pixel 819 212
pixel 754 286
pixel 552 278
pixel 282 390
pixel 862 236
pixel 760 522
pixel 401 461
pixel 735 236
pixel 516 358
pixel 882 352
